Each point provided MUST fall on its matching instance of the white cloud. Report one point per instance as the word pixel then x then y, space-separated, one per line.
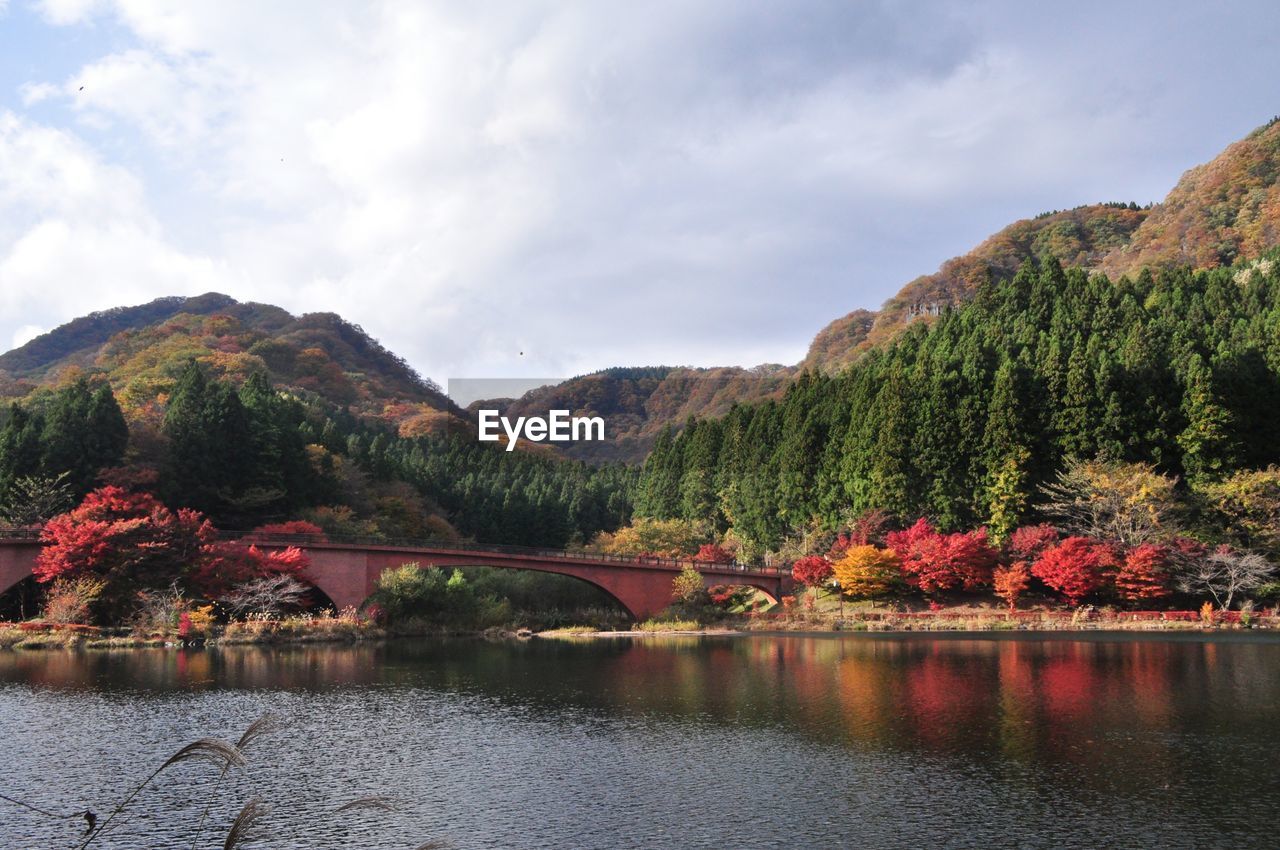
pixel 592 184
pixel 33 93
pixel 76 232
pixel 64 12
pixel 25 334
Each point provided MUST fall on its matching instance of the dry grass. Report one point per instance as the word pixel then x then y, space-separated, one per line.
pixel 327 627
pixel 223 756
pixel 667 626
pixel 961 619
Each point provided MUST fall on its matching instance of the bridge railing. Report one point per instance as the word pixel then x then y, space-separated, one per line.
pixel 304 540
pixel 23 534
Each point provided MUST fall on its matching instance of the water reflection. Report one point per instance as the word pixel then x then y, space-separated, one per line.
pixel 1119 740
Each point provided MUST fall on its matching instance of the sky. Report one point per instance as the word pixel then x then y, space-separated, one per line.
pixel 548 188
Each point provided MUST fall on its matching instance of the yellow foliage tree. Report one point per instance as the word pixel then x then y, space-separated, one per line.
pixel 1111 500
pixel 687 585
pixel 866 571
pixel 668 538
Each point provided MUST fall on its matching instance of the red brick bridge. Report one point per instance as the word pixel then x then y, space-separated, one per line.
pixel 347 569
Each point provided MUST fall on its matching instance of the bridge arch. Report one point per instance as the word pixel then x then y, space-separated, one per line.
pixel 348 571
pixel 349 577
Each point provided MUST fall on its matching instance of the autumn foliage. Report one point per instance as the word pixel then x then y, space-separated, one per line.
pixel 227 564
pixel 812 570
pixel 296 526
pixel 1029 541
pixel 1077 567
pixel 1011 582
pixel 936 562
pixel 133 543
pixel 710 553
pixel 1144 574
pixel 866 571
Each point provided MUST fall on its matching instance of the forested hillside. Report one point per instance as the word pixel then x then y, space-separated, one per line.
pixel 1077 237
pixel 141 351
pixel 1220 212
pixel 255 417
pixel 962 419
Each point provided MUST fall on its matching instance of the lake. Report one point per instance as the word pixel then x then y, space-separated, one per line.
pixel 784 741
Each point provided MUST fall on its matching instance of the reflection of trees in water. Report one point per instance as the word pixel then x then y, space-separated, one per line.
pixel 1073 704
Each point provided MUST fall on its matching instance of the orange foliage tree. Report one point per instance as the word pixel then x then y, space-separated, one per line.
pixel 1011 582
pixel 866 571
pixel 1144 574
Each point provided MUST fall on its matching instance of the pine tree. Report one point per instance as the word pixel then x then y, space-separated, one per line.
pixel 1207 442
pixel 1007 450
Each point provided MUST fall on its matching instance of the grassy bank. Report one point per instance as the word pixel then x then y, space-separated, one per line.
pixel 868 618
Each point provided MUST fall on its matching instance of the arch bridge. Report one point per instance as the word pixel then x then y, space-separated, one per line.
pixel 346 569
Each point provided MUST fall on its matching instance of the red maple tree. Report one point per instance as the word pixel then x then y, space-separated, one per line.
pixel 293 526
pixel 934 562
pixel 130 540
pixel 1076 567
pixel 134 543
pixel 225 564
pixel 710 553
pixel 811 570
pixel 1029 541
pixel 1144 574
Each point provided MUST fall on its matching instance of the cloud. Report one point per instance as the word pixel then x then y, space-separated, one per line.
pixel 593 184
pixel 25 334
pixel 76 231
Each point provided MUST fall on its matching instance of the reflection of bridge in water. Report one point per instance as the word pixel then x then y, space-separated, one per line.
pixel 346 569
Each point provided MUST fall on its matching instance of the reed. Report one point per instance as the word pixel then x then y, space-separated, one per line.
pixel 224 756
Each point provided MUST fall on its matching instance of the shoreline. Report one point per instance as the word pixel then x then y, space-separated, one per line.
pixel 32 635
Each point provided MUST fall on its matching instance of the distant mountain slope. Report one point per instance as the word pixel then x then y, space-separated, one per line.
pixel 1079 237
pixel 1222 211
pixel 142 350
pixel 83 335
pixel 637 403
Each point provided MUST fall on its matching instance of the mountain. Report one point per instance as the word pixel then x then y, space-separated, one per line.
pixel 1078 237
pixel 142 350
pixel 1225 210
pixel 252 416
pixel 637 403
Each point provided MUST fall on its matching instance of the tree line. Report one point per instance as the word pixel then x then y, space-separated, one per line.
pixel 966 418
pixel 244 455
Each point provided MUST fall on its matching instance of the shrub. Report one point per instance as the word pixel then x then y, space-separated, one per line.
pixel 68 599
pixel 270 595
pixel 687 586
pixel 410 593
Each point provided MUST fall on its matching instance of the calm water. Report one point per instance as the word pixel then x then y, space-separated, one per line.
pixel 738 742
